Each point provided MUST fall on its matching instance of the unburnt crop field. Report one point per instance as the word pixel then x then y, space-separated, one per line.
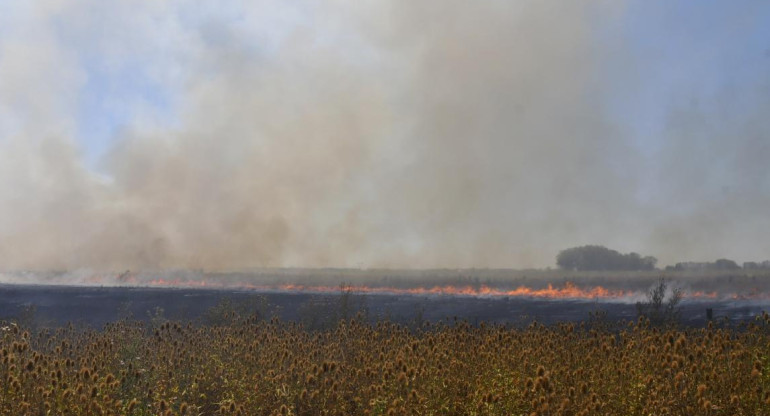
pixel 251 366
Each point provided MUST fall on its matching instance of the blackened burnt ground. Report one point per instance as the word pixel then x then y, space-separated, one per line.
pixel 44 305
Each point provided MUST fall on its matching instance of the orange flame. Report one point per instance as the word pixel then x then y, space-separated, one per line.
pixel 568 291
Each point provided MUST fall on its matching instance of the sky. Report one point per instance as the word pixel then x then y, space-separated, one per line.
pixel 174 134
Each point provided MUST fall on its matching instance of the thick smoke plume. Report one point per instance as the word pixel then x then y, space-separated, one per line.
pixel 408 134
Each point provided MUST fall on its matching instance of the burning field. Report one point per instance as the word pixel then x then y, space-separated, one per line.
pixel 291 342
pixel 502 296
pixel 617 287
pixel 243 364
pixel 379 208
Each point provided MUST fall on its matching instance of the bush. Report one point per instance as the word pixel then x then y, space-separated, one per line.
pixel 657 309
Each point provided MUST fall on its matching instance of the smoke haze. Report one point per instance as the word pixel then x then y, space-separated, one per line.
pixel 149 135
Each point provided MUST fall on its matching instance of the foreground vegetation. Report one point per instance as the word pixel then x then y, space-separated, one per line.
pixel 254 367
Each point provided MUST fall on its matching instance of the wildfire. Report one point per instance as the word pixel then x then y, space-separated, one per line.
pixel 568 290
pixel 574 290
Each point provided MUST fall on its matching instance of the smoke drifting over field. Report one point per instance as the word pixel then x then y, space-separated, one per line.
pixel 406 134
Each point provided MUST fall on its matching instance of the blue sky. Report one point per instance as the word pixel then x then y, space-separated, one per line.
pixel 134 66
pixel 690 55
pixel 105 105
pixel 682 55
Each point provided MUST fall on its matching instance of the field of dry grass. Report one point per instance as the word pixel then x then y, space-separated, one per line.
pixel 257 367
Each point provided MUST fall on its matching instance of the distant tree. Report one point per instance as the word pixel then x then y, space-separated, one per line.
pixel 753 265
pixel 721 264
pixel 726 264
pixel 594 257
pixel 750 265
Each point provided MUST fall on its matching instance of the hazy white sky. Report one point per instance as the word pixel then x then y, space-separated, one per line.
pixel 397 134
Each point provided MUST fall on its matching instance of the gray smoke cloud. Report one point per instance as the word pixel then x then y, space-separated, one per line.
pixel 398 134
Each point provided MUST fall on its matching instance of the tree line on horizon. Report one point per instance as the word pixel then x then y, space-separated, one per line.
pixel 600 258
pixel 595 257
